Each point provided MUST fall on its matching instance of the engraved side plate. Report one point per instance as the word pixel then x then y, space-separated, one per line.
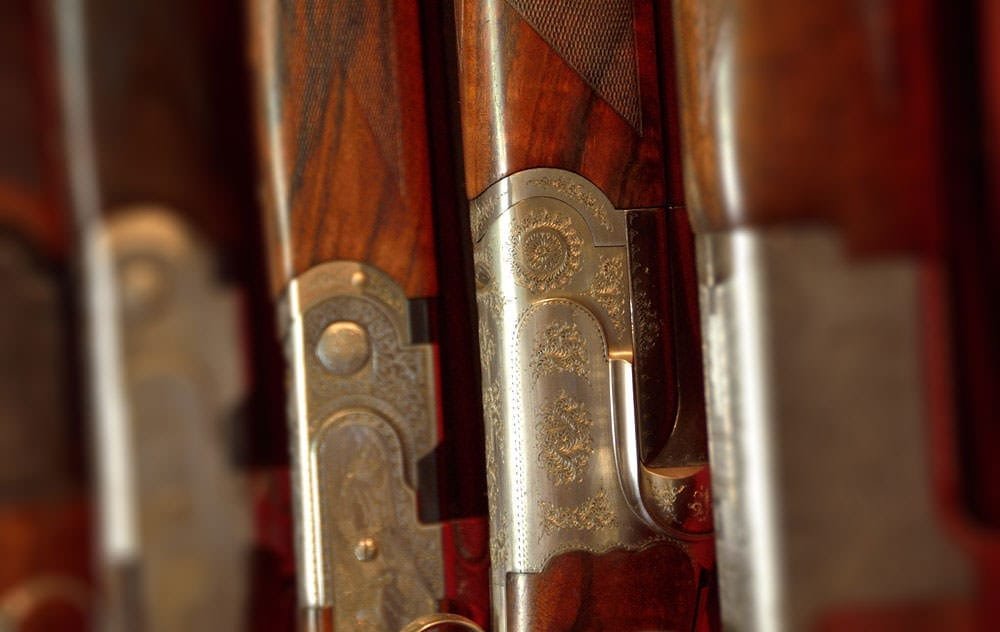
pixel 556 337
pixel 363 414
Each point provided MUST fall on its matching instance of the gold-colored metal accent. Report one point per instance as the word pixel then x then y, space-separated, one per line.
pixel 363 414
pixel 567 445
pixel 557 328
pixel 19 602
pixel 366 549
pixel 423 624
pixel 592 514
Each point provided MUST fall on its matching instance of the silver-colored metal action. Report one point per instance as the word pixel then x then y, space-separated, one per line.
pixel 556 329
pixel 816 430
pixel 363 413
pixel 182 368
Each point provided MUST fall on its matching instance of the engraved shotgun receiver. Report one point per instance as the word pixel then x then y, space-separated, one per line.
pixel 359 222
pixel 596 457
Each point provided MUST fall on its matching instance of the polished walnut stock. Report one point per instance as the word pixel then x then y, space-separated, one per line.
pixel 582 294
pixel 588 80
pixel 343 130
pixel 362 213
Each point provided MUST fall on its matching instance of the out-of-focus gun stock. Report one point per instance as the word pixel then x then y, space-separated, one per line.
pixel 832 175
pixel 149 99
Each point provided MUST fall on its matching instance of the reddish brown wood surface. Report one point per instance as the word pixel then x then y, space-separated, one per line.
pixel 653 589
pixel 272 560
pixel 929 616
pixel 357 165
pixel 799 112
pixel 344 139
pixel 168 96
pixel 43 544
pixel 467 565
pixel 44 516
pixel 524 105
pixel 169 89
pixel 29 207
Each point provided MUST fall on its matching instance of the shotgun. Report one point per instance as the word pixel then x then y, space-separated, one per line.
pixel 600 508
pixel 44 547
pixel 159 182
pixel 376 317
pixel 816 188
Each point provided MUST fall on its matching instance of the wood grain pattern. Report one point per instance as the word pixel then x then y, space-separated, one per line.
pixel 350 170
pixel 524 106
pixel 653 589
pixel 810 112
pixel 344 138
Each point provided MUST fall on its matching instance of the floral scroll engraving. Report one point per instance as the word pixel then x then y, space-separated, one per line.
pixel 593 514
pixel 565 441
pixel 608 290
pixel 577 191
pixel 559 348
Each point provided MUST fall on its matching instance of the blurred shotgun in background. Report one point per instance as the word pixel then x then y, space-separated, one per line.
pixel 833 170
pixel 149 99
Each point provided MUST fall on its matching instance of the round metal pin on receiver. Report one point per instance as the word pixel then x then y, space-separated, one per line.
pixel 366 549
pixel 343 348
